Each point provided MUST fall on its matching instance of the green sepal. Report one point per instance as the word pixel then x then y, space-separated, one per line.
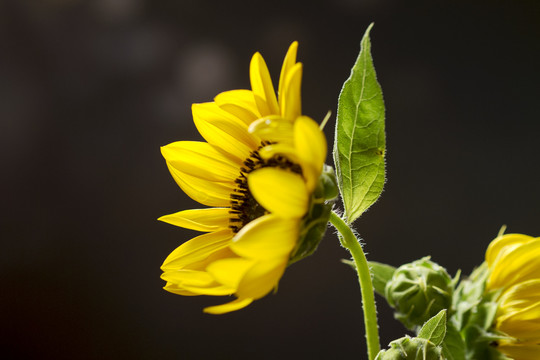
pixel 484 315
pixel 434 329
pixel 315 223
pixel 380 274
pixel 474 317
pixel 329 183
pixel 469 294
pixel 359 145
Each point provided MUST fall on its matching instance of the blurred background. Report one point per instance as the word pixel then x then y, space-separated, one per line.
pixel 90 90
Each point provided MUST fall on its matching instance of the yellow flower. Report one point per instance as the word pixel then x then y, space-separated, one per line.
pixel 514 264
pixel 259 172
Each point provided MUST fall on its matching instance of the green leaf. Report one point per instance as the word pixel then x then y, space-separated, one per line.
pixel 381 274
pixel 359 145
pixel 434 329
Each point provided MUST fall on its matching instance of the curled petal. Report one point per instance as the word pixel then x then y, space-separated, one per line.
pixel 197 249
pixel 240 103
pixel 281 192
pixel 273 128
pixel 223 130
pixel 175 289
pixel 266 237
pixel 195 283
pixel 310 145
pixel 288 151
pixel 228 307
pixel 262 278
pixel 195 158
pixel 262 87
pixel 290 101
pixel 203 191
pixel 230 271
pixel 288 63
pixel 207 220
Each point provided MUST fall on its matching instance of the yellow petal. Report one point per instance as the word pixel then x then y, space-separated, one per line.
pixel 214 289
pixel 288 151
pixel 526 292
pixel 201 160
pixel 262 278
pixel 175 289
pixel 206 192
pixel 310 145
pixel 193 277
pixel 195 283
pixel 521 326
pixel 228 307
pixel 266 237
pixel 207 220
pixel 223 130
pixel 240 103
pixel 291 101
pixel 197 249
pixel 202 265
pixel 504 244
pixel 281 192
pixel 230 271
pixel 520 351
pixel 288 63
pixel 273 128
pixel 518 314
pixel 520 264
pixel 262 87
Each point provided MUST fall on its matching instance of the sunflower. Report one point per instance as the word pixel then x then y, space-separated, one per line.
pixel 260 172
pixel 514 265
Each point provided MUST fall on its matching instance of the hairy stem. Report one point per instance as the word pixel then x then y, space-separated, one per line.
pixel 351 243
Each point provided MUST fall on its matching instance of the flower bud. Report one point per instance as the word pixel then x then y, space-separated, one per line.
pixel 408 348
pixel 418 291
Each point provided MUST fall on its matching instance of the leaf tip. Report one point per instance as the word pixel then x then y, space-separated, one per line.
pixel 367 32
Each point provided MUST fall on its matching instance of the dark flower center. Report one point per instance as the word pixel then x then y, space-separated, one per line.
pixel 244 207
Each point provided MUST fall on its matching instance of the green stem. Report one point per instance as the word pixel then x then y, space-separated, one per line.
pixel 351 243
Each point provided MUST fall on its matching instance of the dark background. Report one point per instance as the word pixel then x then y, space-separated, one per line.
pixel 89 91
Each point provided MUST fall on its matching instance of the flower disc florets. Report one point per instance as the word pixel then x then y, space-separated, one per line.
pixel 244 207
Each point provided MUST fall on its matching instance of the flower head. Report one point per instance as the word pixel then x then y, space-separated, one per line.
pixel 259 172
pixel 514 265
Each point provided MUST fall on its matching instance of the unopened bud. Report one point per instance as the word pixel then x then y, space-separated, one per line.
pixel 418 291
pixel 408 348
